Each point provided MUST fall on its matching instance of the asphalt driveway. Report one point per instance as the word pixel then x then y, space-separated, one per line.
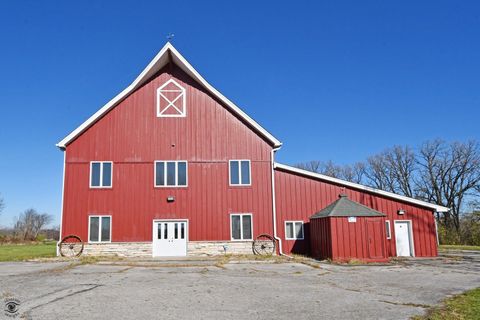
pixel 236 290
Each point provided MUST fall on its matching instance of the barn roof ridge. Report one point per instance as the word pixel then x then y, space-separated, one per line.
pixel 344 207
pixel 159 61
pixel 362 187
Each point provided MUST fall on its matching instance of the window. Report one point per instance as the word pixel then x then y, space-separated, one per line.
pixel 101 174
pixel 170 173
pixel 99 229
pixel 240 173
pixel 294 230
pixel 388 231
pixel 241 226
pixel 171 100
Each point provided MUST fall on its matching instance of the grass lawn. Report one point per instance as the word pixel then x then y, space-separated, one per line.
pixel 458 247
pixel 462 307
pixel 16 252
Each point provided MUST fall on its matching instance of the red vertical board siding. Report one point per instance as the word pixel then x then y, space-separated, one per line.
pixel 133 137
pixel 337 239
pixel 299 197
pixel 320 238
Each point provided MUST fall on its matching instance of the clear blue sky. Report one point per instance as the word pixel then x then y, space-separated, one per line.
pixel 336 80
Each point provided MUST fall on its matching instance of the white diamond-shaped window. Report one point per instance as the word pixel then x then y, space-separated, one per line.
pixel 171 100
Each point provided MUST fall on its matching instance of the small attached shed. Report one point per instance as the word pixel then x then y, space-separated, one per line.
pixel 347 230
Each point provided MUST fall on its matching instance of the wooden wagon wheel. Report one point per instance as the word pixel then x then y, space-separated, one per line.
pixel 71 246
pixel 264 245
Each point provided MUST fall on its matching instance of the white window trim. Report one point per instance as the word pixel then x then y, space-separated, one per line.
pixel 165 174
pixel 294 238
pixel 239 173
pixel 101 186
pixel 99 228
pixel 241 226
pixel 181 90
pixel 389 232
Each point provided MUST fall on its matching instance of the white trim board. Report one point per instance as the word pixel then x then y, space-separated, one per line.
pixel 360 187
pixel 161 60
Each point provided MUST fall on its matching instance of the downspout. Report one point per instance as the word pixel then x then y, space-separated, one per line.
pixel 436 229
pixel 274 206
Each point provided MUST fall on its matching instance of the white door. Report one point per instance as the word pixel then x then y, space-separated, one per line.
pixel 170 238
pixel 403 239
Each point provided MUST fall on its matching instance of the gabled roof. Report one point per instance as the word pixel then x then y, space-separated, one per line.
pixel 360 187
pixel 344 207
pixel 162 59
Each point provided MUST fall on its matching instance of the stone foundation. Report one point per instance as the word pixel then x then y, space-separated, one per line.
pixel 214 248
pixel 144 249
pixel 120 249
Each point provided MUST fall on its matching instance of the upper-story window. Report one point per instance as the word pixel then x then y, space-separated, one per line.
pixel 171 173
pixel 240 173
pixel 101 174
pixel 171 100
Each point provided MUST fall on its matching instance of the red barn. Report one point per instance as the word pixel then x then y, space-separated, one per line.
pixel 171 167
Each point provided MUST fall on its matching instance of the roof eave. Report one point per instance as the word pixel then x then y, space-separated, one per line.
pixel 357 186
pixel 147 73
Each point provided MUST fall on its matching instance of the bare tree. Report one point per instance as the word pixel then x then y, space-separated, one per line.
pixel 449 175
pixel 353 173
pixel 402 166
pixel 313 166
pixel 379 174
pixel 29 224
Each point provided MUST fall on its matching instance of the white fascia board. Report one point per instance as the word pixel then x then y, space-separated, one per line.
pixel 160 60
pixel 357 186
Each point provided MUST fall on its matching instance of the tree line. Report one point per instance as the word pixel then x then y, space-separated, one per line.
pixel 28 225
pixel 440 172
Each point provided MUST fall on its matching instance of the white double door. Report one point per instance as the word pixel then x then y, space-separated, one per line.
pixel 170 238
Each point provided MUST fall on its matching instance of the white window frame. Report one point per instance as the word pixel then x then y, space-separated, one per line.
pixel 101 186
pixel 181 90
pixel 99 228
pixel 389 229
pixel 165 174
pixel 241 226
pixel 295 236
pixel 239 173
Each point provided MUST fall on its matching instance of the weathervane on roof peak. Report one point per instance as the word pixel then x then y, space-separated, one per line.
pixel 170 36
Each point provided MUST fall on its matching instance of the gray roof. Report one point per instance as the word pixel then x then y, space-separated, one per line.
pixel 344 207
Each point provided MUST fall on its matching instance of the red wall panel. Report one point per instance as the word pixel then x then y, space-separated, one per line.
pixel 299 197
pixel 133 137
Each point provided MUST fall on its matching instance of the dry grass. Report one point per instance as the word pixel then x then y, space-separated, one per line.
pixel 464 306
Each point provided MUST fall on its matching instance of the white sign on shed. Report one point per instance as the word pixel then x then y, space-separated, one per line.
pixel 352 219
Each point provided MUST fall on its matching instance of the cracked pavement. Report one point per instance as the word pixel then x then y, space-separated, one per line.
pixel 235 290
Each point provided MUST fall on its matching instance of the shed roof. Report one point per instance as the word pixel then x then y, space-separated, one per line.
pixel 344 207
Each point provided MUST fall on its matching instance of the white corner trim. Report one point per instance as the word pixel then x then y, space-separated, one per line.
pixel 160 60
pixel 62 203
pixel 361 187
